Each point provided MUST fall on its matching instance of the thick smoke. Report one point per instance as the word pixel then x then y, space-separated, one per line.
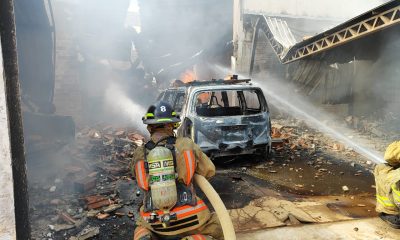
pixel 108 73
pixel 141 50
pixel 382 84
pixel 178 35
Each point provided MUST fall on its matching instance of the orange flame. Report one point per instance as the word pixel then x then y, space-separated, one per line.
pixel 188 76
pixel 203 97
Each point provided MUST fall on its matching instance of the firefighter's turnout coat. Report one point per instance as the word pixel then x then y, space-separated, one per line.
pixel 191 212
pixel 387 180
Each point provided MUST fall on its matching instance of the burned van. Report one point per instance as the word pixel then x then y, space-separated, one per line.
pixel 224 118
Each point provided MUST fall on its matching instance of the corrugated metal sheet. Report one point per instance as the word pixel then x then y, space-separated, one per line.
pixel 339 44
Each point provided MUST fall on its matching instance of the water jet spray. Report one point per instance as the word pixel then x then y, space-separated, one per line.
pixel 290 107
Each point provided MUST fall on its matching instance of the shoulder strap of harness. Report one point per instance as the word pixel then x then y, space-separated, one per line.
pixel 171 146
pixel 150 145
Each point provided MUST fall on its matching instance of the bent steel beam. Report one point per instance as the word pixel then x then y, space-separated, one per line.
pixel 386 16
pixel 278 34
pixel 344 34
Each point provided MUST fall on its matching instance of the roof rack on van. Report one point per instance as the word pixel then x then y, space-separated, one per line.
pixel 217 82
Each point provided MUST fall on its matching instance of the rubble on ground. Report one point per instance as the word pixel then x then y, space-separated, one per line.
pixel 385 128
pixel 93 193
pixel 305 159
pixel 294 137
pixel 94 196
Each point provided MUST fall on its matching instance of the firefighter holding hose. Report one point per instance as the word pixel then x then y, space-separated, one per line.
pixel 164 169
pixel 387 180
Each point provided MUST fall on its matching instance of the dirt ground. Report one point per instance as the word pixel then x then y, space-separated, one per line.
pixel 309 178
pixel 359 229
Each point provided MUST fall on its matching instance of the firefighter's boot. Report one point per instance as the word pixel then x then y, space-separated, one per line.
pixel 392 220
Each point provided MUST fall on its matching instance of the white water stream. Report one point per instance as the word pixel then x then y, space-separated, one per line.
pixel 294 104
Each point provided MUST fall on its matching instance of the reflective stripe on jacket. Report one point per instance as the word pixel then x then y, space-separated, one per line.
pixel 188 218
pixel 190 166
pixel 180 212
pixel 141 175
pixel 396 194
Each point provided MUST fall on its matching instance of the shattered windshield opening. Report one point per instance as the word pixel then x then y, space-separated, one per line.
pixel 228 103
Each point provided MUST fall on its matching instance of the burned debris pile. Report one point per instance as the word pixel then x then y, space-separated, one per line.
pixel 305 160
pixel 92 193
pixel 383 128
pixel 296 138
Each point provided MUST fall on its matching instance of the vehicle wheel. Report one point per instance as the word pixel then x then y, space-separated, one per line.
pixel 266 155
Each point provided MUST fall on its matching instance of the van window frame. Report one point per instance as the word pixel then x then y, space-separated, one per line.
pixel 242 102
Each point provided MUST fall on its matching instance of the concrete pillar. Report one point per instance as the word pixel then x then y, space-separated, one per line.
pixel 7 214
pixel 236 24
pixel 238 37
pixel 237 19
pixel 242 39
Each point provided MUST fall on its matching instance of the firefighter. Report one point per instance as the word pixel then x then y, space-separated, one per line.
pixel 164 168
pixel 387 181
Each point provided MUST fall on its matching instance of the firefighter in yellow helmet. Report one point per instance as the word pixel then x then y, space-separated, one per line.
pixel 387 181
pixel 164 168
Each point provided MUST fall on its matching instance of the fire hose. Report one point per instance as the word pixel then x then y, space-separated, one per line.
pixel 218 205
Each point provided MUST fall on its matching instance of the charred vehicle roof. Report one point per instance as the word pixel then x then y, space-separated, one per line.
pixel 224 117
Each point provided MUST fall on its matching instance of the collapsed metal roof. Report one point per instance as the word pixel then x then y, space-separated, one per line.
pixel 358 38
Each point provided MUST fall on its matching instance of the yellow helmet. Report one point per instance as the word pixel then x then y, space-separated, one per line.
pixel 392 154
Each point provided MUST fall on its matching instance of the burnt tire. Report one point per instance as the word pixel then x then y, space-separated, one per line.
pixel 265 154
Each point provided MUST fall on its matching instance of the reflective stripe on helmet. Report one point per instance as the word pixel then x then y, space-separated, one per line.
pixel 141 176
pixel 190 166
pixel 182 211
pixel 164 120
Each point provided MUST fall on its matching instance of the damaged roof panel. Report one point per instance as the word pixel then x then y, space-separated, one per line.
pixel 356 35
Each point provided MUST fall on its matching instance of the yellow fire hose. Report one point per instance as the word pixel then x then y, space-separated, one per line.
pixel 220 209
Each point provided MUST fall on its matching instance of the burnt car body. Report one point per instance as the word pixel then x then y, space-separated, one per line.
pixel 223 117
